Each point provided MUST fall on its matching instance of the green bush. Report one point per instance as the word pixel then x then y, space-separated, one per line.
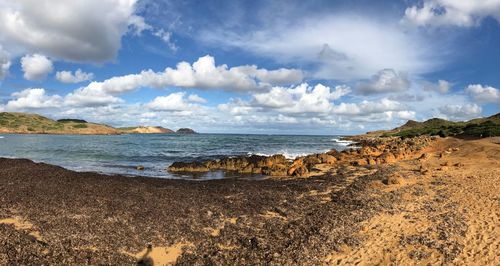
pixel 80 126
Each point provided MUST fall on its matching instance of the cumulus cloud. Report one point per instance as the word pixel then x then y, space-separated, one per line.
pixel 365 107
pixel 77 30
pixel 172 102
pixel 300 99
pixel 460 112
pixel 77 77
pixel 91 95
pixel 485 94
pixel 464 13
pixel 33 98
pixel 386 80
pixel 36 66
pixel 442 86
pixel 202 74
pixel 337 46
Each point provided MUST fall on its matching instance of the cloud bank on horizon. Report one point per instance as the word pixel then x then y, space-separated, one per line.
pixel 322 67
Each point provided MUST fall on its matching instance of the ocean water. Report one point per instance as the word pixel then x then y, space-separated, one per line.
pixel 120 154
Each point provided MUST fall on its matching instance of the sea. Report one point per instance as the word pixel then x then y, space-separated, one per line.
pixel 121 154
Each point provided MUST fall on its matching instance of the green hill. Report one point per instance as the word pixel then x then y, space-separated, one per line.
pixel 24 123
pixel 479 127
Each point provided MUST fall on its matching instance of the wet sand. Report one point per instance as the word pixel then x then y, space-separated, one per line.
pixel 447 214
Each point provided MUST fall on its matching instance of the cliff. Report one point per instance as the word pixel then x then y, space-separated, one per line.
pixel 145 130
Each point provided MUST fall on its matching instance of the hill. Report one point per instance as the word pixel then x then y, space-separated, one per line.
pixel 479 127
pixel 24 123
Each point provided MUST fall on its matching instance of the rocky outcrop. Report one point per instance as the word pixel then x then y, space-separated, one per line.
pixel 372 152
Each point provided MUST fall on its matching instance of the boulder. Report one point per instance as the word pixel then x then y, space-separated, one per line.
pixel 386 158
pixel 360 162
pixel 275 170
pixel 327 158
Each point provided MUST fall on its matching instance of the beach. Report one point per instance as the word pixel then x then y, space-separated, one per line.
pixel 440 208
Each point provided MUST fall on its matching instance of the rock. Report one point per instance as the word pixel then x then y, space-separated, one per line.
pixel 393 179
pixel 360 162
pixel 443 168
pixel 327 158
pixel 371 161
pixel 386 158
pixel 445 163
pixel 299 171
pixel 424 157
pixel 458 165
pixel 139 167
pixel 423 170
pixel 455 149
pixel 188 167
pixel 275 170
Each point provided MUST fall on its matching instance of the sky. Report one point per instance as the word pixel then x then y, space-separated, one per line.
pixel 259 67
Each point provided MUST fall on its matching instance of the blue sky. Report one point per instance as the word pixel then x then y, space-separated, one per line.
pixel 319 67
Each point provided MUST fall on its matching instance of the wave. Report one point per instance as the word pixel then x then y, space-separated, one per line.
pixel 1 137
pixel 342 142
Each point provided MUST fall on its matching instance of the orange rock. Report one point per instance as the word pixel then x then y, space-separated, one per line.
pixel 386 158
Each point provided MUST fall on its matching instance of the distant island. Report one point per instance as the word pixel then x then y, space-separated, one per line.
pixel 25 123
pixel 186 131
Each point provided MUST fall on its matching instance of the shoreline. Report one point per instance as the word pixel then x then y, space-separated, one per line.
pixel 348 213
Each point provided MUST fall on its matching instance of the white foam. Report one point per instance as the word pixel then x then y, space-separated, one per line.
pixel 342 142
pixel 288 155
pixel 1 137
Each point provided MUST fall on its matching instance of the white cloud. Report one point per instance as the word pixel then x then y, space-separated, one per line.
pixel 166 37
pixel 300 99
pixel 196 99
pixel 172 102
pixel 485 94
pixel 460 112
pixel 368 107
pixel 90 96
pixel 36 66
pixel 442 86
pixel 386 80
pixel 203 74
pixel 337 46
pixel 4 63
pixel 76 30
pixel 33 99
pixel 69 77
pixel 464 13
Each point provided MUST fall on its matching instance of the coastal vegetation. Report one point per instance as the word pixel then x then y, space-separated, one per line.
pixel 480 127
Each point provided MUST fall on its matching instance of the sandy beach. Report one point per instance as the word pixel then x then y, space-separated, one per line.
pixel 439 208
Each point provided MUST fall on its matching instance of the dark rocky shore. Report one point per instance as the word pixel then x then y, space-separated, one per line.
pixel 88 218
